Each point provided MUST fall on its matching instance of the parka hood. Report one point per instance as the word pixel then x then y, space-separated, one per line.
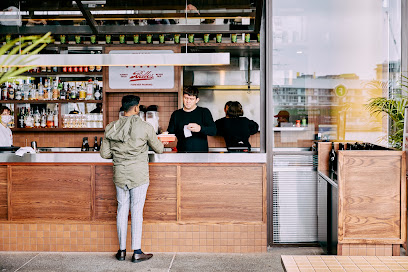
pixel 120 130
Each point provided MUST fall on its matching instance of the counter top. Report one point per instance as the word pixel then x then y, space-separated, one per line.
pixel 90 157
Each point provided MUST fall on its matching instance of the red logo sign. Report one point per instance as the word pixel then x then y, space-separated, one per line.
pixel 141 75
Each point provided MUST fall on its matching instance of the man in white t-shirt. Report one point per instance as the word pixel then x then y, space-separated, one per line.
pixel 6 137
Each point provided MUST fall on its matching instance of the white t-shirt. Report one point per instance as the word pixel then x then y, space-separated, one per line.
pixel 6 137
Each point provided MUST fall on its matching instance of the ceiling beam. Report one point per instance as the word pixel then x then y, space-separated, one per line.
pixel 88 17
pixel 138 7
pixel 223 15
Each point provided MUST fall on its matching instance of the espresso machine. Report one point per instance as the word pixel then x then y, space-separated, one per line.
pixel 152 117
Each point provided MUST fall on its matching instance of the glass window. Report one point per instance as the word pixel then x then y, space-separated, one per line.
pixel 330 58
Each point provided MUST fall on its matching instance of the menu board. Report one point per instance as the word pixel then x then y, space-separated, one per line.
pixel 141 77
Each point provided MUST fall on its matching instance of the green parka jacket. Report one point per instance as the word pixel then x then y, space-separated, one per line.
pixel 127 142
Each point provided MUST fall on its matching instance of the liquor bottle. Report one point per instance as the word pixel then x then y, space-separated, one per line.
pixel 37 118
pixel 29 120
pixel 41 90
pixel 12 122
pixel 11 91
pixel 49 90
pixel 4 92
pixel 97 94
pixel 26 90
pixel 332 161
pixel 96 146
pixel 55 91
pixel 90 90
pixel 341 146
pixel 50 120
pixel 63 92
pixel 20 118
pixel 18 92
pixel 56 118
pixel 74 93
pixel 43 120
pixel 101 91
pixel 85 144
pixel 82 92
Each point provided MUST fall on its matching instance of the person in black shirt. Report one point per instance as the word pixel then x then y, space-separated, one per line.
pixel 234 128
pixel 192 124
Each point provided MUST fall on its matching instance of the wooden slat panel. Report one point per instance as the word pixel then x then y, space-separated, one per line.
pixel 370 197
pixel 160 200
pixel 105 193
pixel 51 192
pixel 221 193
pixel 3 193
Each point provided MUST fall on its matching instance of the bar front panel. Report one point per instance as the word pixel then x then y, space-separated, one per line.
pixel 3 192
pixel 44 192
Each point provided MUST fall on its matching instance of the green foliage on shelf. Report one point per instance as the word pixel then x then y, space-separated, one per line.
pixel 394 107
pixel 25 45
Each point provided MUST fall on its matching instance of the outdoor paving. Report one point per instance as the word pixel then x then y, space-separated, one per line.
pixel 197 262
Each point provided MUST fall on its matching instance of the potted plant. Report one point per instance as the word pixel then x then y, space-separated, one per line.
pixel 394 107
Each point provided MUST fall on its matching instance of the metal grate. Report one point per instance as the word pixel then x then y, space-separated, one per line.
pixel 294 199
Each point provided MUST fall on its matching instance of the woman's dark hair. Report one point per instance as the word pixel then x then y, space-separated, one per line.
pixel 4 108
pixel 191 91
pixel 129 101
pixel 227 105
pixel 235 109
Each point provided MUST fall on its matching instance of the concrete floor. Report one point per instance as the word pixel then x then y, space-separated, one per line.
pixel 197 262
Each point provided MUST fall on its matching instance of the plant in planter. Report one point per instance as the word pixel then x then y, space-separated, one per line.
pixel 11 51
pixel 394 107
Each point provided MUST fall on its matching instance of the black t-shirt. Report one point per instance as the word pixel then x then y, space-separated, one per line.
pixel 198 141
pixel 236 131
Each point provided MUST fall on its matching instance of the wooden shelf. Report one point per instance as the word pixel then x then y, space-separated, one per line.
pixel 62 74
pixel 199 42
pixel 58 129
pixel 48 101
pixel 213 44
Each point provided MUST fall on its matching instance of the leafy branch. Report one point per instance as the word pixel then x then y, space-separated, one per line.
pixel 19 52
pixel 395 109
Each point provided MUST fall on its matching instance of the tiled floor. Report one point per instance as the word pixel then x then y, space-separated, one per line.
pixel 345 263
pixel 180 262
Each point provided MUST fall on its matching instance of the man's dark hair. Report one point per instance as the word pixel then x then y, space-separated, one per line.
pixel 191 91
pixel 129 101
pixel 235 110
pixel 4 108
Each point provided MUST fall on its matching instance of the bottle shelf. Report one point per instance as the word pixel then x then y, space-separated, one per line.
pixel 57 129
pixel 48 101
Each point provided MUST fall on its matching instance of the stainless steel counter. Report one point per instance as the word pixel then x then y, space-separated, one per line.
pixel 90 157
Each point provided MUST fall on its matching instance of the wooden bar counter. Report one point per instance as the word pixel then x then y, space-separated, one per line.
pixel 62 205
pixel 370 194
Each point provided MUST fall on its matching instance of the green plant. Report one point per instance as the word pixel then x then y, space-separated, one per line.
pixel 12 51
pixel 394 107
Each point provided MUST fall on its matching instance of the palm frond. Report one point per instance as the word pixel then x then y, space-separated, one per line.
pixel 20 51
pixel 395 109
